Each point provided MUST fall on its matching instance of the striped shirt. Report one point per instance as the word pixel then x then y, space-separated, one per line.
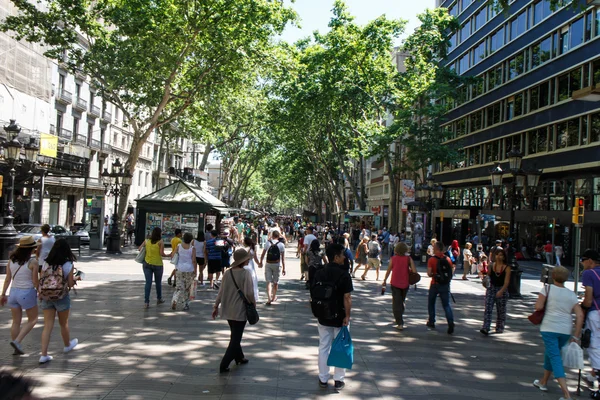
pixel 211 249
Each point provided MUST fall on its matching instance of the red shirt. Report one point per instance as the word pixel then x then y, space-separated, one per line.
pixel 400 266
pixel 432 264
pixel 548 248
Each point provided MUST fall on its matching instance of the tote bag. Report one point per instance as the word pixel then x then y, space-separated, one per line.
pixel 342 350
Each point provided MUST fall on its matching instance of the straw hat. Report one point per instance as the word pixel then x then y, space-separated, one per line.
pixel 239 257
pixel 27 242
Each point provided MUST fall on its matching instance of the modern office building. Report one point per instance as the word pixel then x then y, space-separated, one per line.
pixel 537 92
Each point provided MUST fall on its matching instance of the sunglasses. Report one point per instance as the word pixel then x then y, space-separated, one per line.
pixel 582 259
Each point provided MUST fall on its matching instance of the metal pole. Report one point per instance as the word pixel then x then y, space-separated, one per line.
pixel 577 255
pixel 553 228
pixel 31 201
pixel 42 189
pixel 85 183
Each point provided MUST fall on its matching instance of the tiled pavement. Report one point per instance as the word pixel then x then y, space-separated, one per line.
pixel 126 352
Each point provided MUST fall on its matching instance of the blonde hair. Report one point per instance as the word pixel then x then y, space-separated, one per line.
pixel 468 245
pixel 433 241
pixel 560 274
pixel 401 249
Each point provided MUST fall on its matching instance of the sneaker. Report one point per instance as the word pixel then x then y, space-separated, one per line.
pixel 538 385
pixel 71 345
pixel 322 384
pixel 484 331
pixel 17 346
pixel 173 305
pixel 399 327
pixel 430 327
pixel 45 359
pixel 339 385
pixel 450 328
pixel 186 308
pixel 161 301
pixel 169 281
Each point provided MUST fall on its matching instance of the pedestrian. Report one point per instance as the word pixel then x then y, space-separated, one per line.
pixel 558 251
pixel 496 293
pixel 495 249
pixel 373 257
pixel 430 248
pixel 186 271
pixel 212 255
pixel 130 228
pixel 45 244
pixel 385 241
pixel 400 267
pixel 441 270
pixel 308 238
pixel 275 265
pixel 174 243
pixel 233 308
pixel 199 243
pixel 590 279
pixel 340 301
pixel 315 259
pixel 454 252
pixel 251 266
pixel 549 252
pixel 348 257
pixel 467 260
pixel 56 279
pixel 227 248
pixel 300 253
pixel 361 255
pixel 556 328
pixel 153 265
pixel 22 271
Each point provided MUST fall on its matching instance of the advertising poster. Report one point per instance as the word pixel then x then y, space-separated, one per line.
pixel 408 193
pixel 153 220
pixel 170 223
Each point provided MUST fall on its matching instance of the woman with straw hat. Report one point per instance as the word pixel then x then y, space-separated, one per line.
pixel 234 309
pixel 22 270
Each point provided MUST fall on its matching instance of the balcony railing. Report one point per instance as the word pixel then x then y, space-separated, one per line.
pixel 106 148
pixel 106 117
pixel 80 104
pixel 95 144
pixel 52 130
pixel 94 112
pixel 82 139
pixel 64 97
pixel 65 134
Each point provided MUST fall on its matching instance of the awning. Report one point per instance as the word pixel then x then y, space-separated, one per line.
pixel 359 213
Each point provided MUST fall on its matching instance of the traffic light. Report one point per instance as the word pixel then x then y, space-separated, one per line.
pixel 578 210
pixel 551 224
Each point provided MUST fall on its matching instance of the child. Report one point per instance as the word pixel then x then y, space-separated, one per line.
pixel 174 243
pixel 483 266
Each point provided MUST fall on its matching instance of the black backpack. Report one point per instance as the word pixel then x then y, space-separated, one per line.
pixel 274 254
pixel 374 251
pixel 324 301
pixel 444 272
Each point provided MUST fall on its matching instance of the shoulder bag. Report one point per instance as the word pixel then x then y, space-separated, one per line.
pixel 413 277
pixel 538 316
pixel 251 313
pixel 141 255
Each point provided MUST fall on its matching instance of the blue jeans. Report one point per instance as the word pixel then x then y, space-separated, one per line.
pixel 157 272
pixel 444 292
pixel 553 342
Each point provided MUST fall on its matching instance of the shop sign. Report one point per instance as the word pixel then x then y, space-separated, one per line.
pixel 408 192
pixel 540 218
pixel 55 198
pixel 48 145
pixel 461 216
pixel 376 210
pixel 488 217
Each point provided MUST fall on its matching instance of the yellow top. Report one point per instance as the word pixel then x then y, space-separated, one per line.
pixel 153 253
pixel 174 242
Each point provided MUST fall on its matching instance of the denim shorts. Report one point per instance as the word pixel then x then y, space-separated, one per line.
pixel 22 298
pixel 59 305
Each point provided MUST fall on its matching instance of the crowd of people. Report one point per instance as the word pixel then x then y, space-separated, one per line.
pixel 234 256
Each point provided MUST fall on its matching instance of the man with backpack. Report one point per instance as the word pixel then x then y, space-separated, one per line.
pixel 275 252
pixel 441 270
pixel 331 302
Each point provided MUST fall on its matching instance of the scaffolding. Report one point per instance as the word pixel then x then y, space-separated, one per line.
pixel 23 65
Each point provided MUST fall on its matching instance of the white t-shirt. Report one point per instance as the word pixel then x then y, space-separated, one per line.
pixel 199 248
pixel 185 263
pixel 269 244
pixel 559 308
pixel 67 267
pixel 46 246
pixel 308 239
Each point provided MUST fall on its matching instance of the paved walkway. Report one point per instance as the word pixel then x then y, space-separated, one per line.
pixel 126 352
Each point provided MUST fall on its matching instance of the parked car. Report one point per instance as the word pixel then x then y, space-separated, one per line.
pixel 84 234
pixel 35 230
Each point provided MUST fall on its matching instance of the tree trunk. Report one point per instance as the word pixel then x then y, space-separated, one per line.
pixel 393 210
pixel 208 148
pixel 363 192
pixel 342 165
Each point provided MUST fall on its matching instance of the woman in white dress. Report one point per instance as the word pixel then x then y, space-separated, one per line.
pixel 251 266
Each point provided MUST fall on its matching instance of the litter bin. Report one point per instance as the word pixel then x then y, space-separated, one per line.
pixel 514 286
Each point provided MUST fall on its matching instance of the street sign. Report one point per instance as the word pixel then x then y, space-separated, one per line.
pixel 488 217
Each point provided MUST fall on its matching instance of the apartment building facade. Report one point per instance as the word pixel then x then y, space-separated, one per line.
pixel 537 71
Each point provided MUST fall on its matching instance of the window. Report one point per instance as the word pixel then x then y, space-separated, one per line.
pixel 597 31
pixel 584 130
pixel 540 52
pixel 61 83
pixel 555 45
pixel 574 81
pixel 477 88
pixel 563 46
pixel 140 179
pixel 561 135
pixel 115 137
pixel 452 41
pixel 123 143
pixel 453 10
pixel 563 87
pixel 519 104
pixel 534 98
pixel 538 13
pixel 465 31
pixel 510 108
pixel 493 114
pixel 480 19
pixel 479 53
pixel 576 32
pixel 491 151
pixel 518 25
pixel 596 72
pixel 497 40
pixel 476 121
pixel 495 77
pixel 75 127
pixel 512 69
pixel 463 63
pixel 90 131
pixel 595 128
pixel 573 132
pixel 461 127
pixel 588 26
pixel 77 90
pixel 91 99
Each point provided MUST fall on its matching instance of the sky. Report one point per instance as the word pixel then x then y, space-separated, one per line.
pixel 315 14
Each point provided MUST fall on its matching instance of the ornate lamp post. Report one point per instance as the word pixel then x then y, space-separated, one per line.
pixel 521 179
pixel 431 193
pixel 113 182
pixel 12 156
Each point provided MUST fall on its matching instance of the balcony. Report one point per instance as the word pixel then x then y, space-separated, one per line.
pixel 106 117
pixel 94 112
pixel 64 97
pixel 65 134
pixel 81 139
pixel 80 104
pixel 79 74
pixel 52 130
pixel 95 144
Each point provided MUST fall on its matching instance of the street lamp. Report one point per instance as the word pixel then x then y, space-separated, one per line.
pixel 431 193
pixel 113 183
pixel 12 156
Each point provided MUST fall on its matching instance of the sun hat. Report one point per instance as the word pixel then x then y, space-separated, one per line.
pixel 239 257
pixel 27 242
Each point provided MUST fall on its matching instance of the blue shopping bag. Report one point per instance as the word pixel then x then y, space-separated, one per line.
pixel 342 350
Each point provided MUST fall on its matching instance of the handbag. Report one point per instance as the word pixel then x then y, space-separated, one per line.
pixel 341 354
pixel 193 290
pixel 141 256
pixel 485 281
pixel 175 259
pixel 538 316
pixel 251 313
